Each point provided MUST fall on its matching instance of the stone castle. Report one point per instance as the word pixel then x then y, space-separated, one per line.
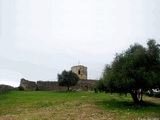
pixel 83 84
pixel 81 71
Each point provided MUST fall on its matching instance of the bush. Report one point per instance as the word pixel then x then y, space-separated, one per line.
pixel 157 95
pixel 21 88
pixel 100 86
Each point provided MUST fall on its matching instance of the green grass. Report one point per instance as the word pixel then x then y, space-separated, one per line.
pixel 125 105
pixel 74 105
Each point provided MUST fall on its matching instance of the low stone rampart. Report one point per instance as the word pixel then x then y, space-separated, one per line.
pixel 49 86
pixel 82 85
pixel 5 88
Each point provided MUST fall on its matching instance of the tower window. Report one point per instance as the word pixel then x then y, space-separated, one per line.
pixel 79 72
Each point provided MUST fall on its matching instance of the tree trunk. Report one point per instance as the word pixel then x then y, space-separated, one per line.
pixel 67 88
pixel 134 97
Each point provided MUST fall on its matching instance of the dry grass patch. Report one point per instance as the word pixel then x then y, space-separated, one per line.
pixel 84 110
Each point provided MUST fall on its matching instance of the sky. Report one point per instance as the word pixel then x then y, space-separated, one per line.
pixel 41 38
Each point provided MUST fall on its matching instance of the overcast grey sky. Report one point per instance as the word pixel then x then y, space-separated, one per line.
pixel 40 38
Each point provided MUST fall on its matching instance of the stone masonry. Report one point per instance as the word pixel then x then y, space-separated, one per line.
pixel 28 85
pixel 82 85
pixel 5 88
pixel 81 71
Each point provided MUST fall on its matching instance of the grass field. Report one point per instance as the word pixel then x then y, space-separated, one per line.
pixel 20 105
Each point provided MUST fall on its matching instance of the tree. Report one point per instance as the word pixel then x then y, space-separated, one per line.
pixel 100 86
pixel 134 69
pixel 67 78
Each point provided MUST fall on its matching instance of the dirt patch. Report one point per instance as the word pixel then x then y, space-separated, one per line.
pixel 152 99
pixel 66 111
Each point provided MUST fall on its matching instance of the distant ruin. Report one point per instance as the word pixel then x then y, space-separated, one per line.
pixel 83 84
pixel 81 71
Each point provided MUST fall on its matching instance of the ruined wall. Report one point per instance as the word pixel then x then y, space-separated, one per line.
pixel 49 86
pixel 28 85
pixel 82 85
pixel 5 88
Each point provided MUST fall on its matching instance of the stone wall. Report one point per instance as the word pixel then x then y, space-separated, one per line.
pixel 82 85
pixel 28 85
pixel 49 86
pixel 5 88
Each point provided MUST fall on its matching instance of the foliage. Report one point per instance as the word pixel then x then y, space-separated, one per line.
pixel 67 78
pixel 157 95
pixel 100 86
pixel 20 88
pixel 136 68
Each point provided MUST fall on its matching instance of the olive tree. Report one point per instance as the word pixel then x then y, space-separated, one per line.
pixel 67 78
pixel 136 68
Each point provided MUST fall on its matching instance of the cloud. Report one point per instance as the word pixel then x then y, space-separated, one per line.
pixel 15 70
pixel 9 77
pixel 42 38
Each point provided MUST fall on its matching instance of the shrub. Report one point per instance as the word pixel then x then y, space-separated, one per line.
pixel 157 94
pixel 21 88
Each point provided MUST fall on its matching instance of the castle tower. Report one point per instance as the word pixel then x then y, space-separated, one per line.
pixel 81 71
